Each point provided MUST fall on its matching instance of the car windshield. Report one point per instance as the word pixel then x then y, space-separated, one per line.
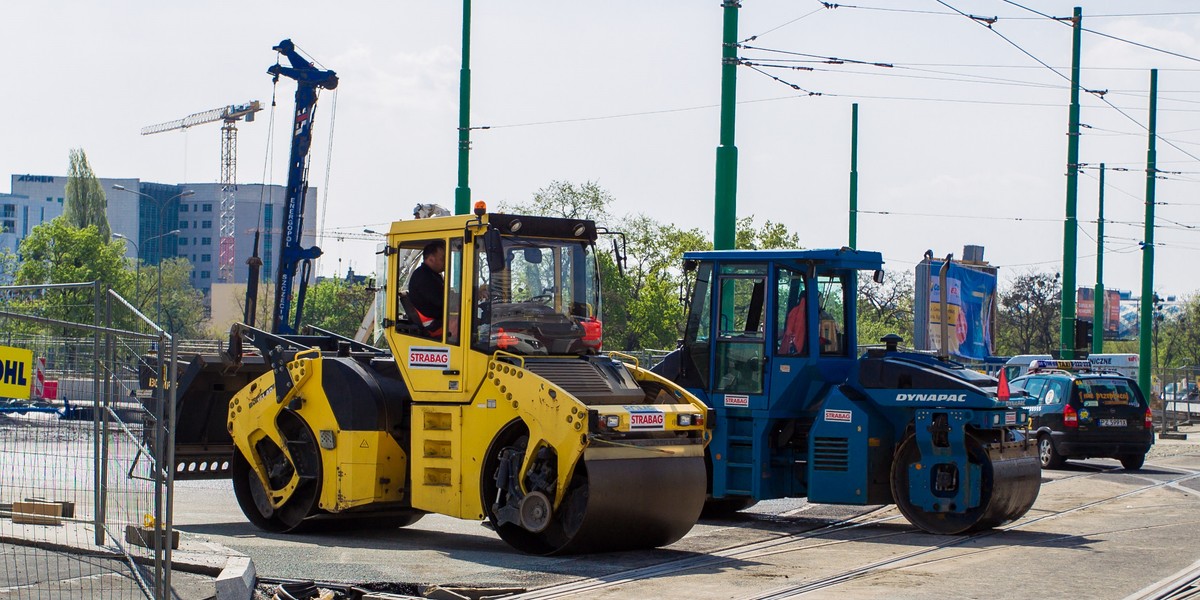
pixel 544 299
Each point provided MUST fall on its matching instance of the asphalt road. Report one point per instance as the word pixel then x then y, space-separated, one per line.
pixel 1096 531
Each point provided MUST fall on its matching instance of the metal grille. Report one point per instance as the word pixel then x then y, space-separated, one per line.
pixel 81 499
pixel 831 454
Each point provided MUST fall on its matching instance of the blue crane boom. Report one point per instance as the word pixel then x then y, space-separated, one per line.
pixel 291 254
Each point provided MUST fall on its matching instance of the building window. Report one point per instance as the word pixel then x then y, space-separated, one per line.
pixel 60 201
pixel 8 226
pixel 182 241
pixel 49 199
pixel 206 225
pixel 8 211
pixel 207 208
pixel 183 224
pixel 203 274
pixel 183 208
pixel 206 241
pixel 205 258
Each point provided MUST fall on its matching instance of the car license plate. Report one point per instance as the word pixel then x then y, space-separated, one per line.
pixel 1112 423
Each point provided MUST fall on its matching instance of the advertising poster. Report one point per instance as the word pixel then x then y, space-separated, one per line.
pixel 1085 308
pixel 16 372
pixel 970 307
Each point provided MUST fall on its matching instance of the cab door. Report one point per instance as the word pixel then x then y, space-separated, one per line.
pixel 434 365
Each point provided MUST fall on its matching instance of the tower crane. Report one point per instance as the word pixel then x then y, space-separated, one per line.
pixel 229 116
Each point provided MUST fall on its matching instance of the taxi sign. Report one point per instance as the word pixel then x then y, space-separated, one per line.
pixel 1061 365
pixel 16 372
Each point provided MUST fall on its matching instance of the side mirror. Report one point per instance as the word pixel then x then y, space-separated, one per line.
pixel 495 250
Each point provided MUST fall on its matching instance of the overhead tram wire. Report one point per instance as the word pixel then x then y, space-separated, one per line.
pixel 1109 36
pixel 778 27
pixel 1097 93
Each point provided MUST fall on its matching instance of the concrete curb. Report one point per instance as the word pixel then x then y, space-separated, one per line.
pixel 237 579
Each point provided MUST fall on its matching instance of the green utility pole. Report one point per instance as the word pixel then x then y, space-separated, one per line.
pixel 1070 228
pixel 462 194
pixel 854 177
pixel 725 209
pixel 1098 300
pixel 1146 319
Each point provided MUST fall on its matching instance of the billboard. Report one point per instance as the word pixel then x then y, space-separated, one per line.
pixel 970 309
pixel 1085 309
pixel 16 372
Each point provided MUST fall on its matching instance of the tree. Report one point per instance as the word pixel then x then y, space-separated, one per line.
pixel 56 252
pixel 886 307
pixel 771 236
pixel 573 201
pixel 1030 312
pixel 182 304
pixel 337 305
pixel 86 203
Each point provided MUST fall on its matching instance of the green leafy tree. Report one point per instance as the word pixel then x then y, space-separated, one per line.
pixel 182 304
pixel 771 236
pixel 886 307
pixel 85 202
pixel 586 200
pixel 1029 315
pixel 56 252
pixel 337 305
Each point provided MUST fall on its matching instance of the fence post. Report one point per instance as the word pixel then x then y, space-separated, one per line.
pixel 160 453
pixel 172 390
pixel 107 365
pixel 98 500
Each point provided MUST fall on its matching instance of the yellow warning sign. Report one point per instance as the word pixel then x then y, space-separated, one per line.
pixel 16 372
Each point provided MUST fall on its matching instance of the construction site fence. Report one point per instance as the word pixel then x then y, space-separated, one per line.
pixel 84 500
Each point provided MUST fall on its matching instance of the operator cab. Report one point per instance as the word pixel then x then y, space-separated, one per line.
pixel 784 318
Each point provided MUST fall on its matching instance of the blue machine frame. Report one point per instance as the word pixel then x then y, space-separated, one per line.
pixel 817 420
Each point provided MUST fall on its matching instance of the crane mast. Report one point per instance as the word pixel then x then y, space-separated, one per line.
pixel 229 115
pixel 291 255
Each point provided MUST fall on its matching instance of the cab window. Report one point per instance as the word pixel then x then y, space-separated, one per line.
pixel 740 330
pixel 791 308
pixel 831 296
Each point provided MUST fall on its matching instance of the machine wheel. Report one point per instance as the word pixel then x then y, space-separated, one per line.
pixel 610 505
pixel 1049 457
pixel 1008 489
pixel 1133 462
pixel 248 489
pixel 724 508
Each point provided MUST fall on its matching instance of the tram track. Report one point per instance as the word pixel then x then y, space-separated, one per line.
pixel 795 542
pixel 906 559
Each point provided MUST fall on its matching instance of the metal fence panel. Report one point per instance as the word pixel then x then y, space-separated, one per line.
pixel 83 504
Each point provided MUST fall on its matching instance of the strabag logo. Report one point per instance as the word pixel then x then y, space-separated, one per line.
pixel 931 397
pixel 737 401
pixel 428 358
pixel 838 416
pixel 641 417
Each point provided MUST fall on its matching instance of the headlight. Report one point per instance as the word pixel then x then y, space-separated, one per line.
pixel 612 421
pixel 685 419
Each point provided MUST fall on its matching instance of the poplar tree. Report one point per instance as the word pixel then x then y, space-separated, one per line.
pixel 85 203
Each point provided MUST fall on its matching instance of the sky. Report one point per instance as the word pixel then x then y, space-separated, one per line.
pixel 962 139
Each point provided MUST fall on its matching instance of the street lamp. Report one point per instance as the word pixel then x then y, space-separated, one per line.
pixel 161 204
pixel 137 274
pixel 158 303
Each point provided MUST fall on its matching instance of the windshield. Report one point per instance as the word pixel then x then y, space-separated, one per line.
pixel 544 299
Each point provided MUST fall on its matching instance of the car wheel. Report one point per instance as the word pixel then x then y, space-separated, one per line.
pixel 1050 457
pixel 1133 462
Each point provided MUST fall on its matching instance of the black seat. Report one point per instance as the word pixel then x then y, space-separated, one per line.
pixel 411 323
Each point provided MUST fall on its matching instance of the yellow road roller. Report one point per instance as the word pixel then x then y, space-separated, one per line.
pixel 498 405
